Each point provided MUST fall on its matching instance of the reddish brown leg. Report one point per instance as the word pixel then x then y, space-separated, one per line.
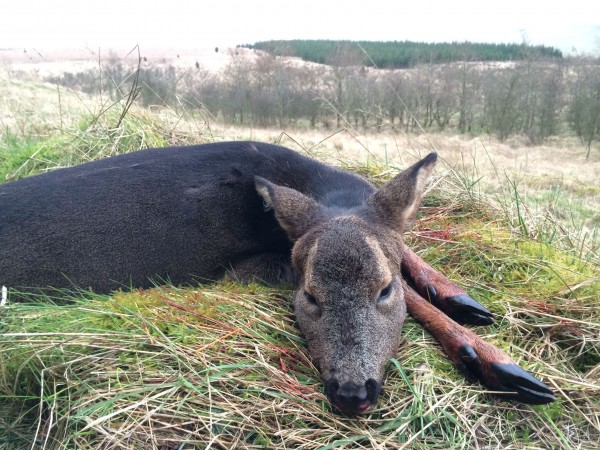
pixel 442 293
pixel 477 359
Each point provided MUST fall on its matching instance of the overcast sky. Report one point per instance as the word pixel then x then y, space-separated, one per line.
pixel 568 25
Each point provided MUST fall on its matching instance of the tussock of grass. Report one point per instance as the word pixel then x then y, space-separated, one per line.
pixel 117 129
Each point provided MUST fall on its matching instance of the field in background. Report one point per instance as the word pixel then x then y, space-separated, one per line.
pixel 224 367
pixel 553 179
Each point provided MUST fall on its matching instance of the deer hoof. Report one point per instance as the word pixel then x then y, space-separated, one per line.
pixel 518 384
pixel 507 380
pixel 467 311
pixel 461 308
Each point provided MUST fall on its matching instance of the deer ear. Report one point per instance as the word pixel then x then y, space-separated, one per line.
pixel 396 203
pixel 294 211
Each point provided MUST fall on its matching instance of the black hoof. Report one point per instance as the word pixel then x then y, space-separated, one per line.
pixel 518 384
pixel 469 311
pixel 461 308
pixel 509 381
pixel 469 364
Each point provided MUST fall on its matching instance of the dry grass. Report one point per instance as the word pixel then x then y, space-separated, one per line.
pixel 561 161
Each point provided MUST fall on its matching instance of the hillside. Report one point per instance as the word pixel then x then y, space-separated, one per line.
pixel 402 54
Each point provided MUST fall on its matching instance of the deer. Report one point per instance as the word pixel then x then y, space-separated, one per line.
pixel 257 212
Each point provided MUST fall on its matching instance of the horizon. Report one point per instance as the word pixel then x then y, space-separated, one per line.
pixel 250 45
pixel 71 24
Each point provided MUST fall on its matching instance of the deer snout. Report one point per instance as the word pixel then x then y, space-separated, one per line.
pixel 352 398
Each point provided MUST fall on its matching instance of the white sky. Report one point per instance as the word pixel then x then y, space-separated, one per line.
pixel 568 24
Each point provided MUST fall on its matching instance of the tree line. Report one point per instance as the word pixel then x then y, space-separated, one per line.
pixel 536 98
pixel 402 54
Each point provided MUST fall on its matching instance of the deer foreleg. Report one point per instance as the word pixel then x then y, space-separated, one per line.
pixel 442 293
pixel 476 358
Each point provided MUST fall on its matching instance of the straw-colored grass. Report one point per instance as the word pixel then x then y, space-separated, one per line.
pixel 224 366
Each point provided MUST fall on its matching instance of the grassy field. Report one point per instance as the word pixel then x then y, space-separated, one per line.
pixel 224 366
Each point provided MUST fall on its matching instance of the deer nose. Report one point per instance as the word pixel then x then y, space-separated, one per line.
pixel 352 398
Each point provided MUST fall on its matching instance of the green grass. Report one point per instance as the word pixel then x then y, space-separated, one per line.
pixel 224 366
pixel 111 131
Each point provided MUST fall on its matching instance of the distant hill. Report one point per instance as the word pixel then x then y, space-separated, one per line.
pixel 401 54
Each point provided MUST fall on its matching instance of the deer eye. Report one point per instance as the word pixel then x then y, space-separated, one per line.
pixel 310 299
pixel 385 292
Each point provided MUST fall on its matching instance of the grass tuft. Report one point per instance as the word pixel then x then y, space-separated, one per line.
pixel 112 131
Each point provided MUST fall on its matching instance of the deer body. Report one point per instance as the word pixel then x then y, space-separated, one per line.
pixel 180 214
pixel 257 211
